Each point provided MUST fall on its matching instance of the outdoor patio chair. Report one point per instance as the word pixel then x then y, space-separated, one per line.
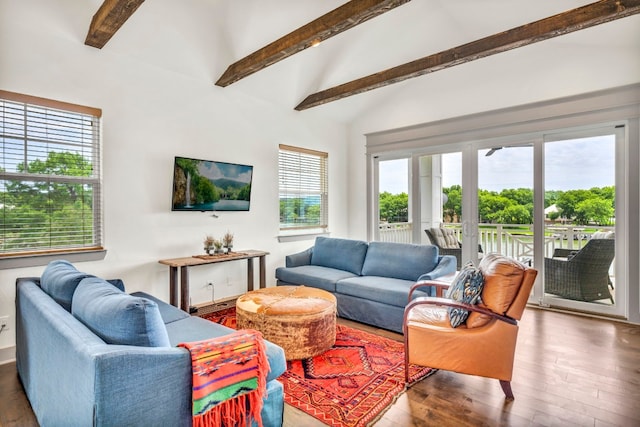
pixel 447 242
pixel 581 275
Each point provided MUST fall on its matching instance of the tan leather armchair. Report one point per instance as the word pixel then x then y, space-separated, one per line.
pixel 485 344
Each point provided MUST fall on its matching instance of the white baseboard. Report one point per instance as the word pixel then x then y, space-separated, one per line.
pixel 7 354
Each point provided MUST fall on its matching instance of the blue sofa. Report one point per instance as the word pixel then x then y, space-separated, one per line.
pixel 89 354
pixel 371 281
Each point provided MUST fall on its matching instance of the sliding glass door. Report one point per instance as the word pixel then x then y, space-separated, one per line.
pixel 582 212
pixel 554 201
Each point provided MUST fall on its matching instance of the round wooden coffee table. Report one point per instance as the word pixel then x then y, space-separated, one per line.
pixel 299 319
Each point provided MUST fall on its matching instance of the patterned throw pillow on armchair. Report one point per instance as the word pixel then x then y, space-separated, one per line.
pixel 466 288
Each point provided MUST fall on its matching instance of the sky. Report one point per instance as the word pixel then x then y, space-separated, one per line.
pixel 569 165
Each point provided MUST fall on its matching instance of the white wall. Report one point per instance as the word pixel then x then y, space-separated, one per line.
pixel 152 113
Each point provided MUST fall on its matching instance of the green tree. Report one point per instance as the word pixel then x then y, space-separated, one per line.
pixel 245 192
pixel 42 213
pixel 595 209
pixel 452 209
pixel 551 197
pixel 568 200
pixel 514 214
pixel 490 204
pixel 205 191
pixel 394 207
pixel 521 196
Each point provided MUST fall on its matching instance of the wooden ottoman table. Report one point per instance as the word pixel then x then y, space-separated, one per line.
pixel 299 319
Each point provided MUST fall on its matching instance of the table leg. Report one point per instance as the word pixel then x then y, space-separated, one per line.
pixel 250 274
pixel 173 286
pixel 263 274
pixel 184 288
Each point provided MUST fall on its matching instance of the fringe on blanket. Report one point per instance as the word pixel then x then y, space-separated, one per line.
pixel 229 379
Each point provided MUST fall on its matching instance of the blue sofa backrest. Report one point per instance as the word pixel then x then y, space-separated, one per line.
pixel 341 254
pixel 399 260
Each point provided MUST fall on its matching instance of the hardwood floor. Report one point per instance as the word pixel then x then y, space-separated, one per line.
pixel 569 371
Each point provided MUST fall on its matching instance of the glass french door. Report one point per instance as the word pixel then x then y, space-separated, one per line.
pixel 583 221
pixel 554 203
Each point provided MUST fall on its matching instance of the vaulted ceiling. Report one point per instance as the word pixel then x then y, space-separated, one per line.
pixel 261 48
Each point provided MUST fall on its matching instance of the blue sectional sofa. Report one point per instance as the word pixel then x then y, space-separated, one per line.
pixel 89 354
pixel 371 281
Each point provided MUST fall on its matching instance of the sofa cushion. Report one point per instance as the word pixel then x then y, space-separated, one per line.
pixel 116 317
pixel 603 235
pixel 312 275
pixel 60 280
pixel 384 290
pixel 466 288
pixel 399 260
pixel 341 254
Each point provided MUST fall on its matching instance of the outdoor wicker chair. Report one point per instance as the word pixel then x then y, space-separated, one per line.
pixel 454 248
pixel 581 275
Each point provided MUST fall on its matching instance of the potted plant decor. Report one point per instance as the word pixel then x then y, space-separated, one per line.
pixel 227 241
pixel 217 245
pixel 208 244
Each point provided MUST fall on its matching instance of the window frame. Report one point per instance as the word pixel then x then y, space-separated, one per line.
pixel 42 254
pixel 305 156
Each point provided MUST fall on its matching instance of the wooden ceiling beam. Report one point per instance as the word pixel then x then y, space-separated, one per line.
pixel 566 22
pixel 108 19
pixel 338 20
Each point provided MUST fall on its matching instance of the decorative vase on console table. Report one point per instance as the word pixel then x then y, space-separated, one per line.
pixel 227 241
pixel 208 243
pixel 218 246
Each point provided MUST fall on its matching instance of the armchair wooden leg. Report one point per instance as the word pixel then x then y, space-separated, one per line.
pixel 406 359
pixel 506 387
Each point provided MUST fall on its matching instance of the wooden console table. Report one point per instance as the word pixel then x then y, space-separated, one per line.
pixel 184 263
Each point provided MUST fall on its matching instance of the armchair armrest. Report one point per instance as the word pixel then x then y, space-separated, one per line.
pixel 451 303
pixel 563 253
pixel 300 258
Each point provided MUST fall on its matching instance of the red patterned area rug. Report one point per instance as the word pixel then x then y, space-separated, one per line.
pixel 350 385
pixel 226 317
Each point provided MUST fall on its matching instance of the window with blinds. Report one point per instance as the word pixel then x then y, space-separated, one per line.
pixel 50 198
pixel 303 188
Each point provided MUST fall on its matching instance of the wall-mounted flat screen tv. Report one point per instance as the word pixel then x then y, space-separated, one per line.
pixel 205 185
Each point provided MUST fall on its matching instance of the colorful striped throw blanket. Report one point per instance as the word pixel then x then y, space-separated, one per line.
pixel 229 379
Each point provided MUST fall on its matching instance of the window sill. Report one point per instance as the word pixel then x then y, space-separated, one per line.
pixel 296 236
pixel 22 261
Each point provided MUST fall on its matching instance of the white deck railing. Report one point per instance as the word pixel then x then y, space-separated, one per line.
pixel 514 240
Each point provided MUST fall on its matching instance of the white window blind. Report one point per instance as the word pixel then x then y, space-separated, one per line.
pixel 303 188
pixel 50 186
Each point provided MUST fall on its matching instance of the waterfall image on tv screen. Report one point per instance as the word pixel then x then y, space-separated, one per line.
pixel 205 185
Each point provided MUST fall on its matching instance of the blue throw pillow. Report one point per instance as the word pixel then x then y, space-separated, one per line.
pixel 60 280
pixel 466 288
pixel 116 317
